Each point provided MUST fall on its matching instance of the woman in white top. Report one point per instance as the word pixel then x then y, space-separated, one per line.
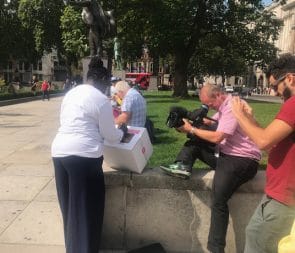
pixel 86 120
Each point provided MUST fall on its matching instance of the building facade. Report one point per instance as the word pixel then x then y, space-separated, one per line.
pixel 46 68
pixel 286 38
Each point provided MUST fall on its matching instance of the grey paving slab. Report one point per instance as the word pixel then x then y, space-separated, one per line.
pixel 21 248
pixel 3 166
pixel 48 193
pixel 5 153
pixel 39 223
pixel 30 218
pixel 40 146
pixel 21 187
pixel 28 157
pixel 9 210
pixel 26 170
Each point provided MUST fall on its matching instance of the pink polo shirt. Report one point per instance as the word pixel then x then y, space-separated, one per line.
pixel 237 143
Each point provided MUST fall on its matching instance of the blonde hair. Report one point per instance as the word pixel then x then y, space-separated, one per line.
pixel 122 86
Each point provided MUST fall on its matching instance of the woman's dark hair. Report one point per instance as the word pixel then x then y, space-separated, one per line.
pixel 97 72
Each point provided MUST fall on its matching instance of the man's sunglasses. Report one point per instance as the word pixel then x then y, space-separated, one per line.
pixel 275 85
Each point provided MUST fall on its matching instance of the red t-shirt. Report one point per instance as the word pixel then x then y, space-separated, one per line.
pixel 280 172
pixel 44 86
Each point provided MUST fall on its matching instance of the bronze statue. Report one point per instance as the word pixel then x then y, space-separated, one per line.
pixel 101 23
pixel 117 54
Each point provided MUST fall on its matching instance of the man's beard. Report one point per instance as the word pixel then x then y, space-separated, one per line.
pixel 287 93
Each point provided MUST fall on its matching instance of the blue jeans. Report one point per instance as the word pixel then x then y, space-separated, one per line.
pixel 81 195
pixel 270 222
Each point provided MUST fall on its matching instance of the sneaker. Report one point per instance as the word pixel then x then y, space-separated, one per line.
pixel 178 170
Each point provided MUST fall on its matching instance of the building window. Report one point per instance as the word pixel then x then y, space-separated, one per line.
pixel 152 67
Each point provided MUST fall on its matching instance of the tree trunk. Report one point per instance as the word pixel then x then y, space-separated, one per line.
pixel 180 74
pixel 156 65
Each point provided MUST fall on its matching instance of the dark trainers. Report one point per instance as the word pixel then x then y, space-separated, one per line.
pixel 178 170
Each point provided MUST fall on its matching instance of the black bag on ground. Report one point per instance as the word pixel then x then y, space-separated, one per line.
pixel 149 125
pixel 153 248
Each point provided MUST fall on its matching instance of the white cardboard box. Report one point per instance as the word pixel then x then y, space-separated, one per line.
pixel 132 154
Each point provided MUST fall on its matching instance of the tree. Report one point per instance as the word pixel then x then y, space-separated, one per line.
pixel 15 40
pixel 73 36
pixel 199 31
pixel 43 19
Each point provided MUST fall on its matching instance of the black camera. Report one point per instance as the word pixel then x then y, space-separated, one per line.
pixel 196 117
pixel 177 113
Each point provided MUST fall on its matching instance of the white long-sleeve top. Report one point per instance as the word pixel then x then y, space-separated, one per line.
pixel 86 120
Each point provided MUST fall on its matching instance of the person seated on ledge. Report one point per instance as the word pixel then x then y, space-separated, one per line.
pixel 235 164
pixel 133 108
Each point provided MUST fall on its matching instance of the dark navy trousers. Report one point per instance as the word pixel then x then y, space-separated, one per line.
pixel 81 195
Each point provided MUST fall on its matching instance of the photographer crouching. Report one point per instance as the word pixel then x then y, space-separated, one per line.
pixel 226 149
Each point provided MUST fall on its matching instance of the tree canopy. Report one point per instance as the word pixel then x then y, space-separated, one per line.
pixel 200 36
pixel 42 18
pixel 203 36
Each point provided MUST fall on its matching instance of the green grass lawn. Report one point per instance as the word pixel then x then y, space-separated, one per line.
pixel 169 141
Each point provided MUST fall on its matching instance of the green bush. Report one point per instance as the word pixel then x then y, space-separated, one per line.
pixel 22 93
pixel 2 82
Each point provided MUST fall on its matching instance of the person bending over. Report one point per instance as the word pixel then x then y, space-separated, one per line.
pixel 77 152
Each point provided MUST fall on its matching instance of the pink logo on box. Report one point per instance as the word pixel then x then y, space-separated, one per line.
pixel 133 131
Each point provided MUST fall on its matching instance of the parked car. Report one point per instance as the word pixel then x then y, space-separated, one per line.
pixel 243 91
pixel 229 88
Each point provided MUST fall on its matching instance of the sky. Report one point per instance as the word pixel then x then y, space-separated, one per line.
pixel 266 2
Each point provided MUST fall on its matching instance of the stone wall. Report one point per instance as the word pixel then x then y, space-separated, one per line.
pixel 154 207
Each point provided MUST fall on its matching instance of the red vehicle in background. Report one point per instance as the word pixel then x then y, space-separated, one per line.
pixel 141 80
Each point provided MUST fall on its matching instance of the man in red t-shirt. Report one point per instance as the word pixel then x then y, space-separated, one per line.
pixel 274 216
pixel 45 89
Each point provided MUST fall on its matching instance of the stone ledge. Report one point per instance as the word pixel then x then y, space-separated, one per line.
pixel 201 180
pixel 154 207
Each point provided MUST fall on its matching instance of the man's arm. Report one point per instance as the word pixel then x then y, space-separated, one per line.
pixel 211 136
pixel 123 118
pixel 266 138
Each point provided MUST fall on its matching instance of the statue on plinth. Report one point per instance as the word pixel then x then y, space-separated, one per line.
pixel 101 23
pixel 117 54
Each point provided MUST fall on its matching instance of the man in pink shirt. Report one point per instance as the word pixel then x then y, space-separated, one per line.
pixel 235 163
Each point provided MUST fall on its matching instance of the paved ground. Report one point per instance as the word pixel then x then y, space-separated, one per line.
pixel 30 219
